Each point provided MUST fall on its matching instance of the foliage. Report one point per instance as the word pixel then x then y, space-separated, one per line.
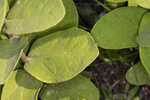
pixel 123 28
pixel 43 51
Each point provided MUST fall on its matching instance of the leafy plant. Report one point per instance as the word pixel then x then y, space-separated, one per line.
pixel 42 51
pixel 127 27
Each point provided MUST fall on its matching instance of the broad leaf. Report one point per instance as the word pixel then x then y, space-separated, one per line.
pixel 144 31
pixel 3 11
pixel 137 75
pixel 29 16
pixel 78 88
pixel 116 1
pixel 119 28
pixel 21 86
pixel 61 56
pixel 70 19
pixel 144 3
pixel 145 56
pixel 11 51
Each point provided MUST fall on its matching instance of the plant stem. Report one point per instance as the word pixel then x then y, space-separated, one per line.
pixel 104 6
pixel 25 58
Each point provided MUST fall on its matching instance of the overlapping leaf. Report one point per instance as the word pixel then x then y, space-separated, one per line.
pixel 143 41
pixel 61 56
pixel 144 31
pixel 119 28
pixel 3 11
pixel 29 16
pixel 11 3
pixel 137 75
pixel 70 19
pixel 10 53
pixel 145 56
pixel 143 3
pixel 79 88
pixel 21 86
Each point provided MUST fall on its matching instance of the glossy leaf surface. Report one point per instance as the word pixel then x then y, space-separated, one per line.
pixel 29 16
pixel 144 3
pixel 62 55
pixel 21 86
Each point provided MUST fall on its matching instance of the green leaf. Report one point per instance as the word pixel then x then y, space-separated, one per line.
pixel 1 86
pixel 3 12
pixel 29 16
pixel 11 3
pixel 132 3
pixel 11 51
pixel 116 1
pixel 21 86
pixel 119 28
pixel 137 75
pixel 133 93
pixel 144 31
pixel 145 56
pixel 144 3
pixel 61 56
pixel 79 88
pixel 70 19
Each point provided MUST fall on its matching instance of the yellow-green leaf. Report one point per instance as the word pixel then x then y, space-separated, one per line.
pixel 21 86
pixel 29 16
pixel 62 55
pixel 10 53
pixel 79 88
pixel 3 12
pixel 144 3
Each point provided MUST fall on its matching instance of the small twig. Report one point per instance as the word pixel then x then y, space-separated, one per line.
pixel 5 20
pixel 104 6
pixel 115 83
pixel 25 58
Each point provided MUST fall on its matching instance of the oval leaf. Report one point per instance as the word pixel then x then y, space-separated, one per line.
pixel 21 86
pixel 29 16
pixel 3 11
pixel 137 75
pixel 11 51
pixel 78 88
pixel 144 3
pixel 145 56
pixel 144 31
pixel 62 55
pixel 118 29
pixel 70 19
